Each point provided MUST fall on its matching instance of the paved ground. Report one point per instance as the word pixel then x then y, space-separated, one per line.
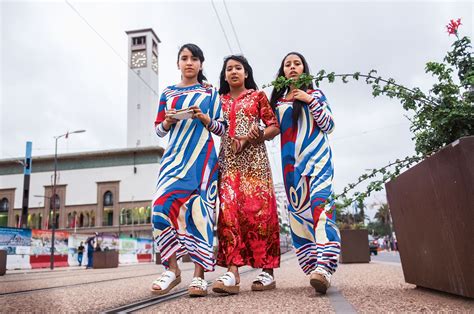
pixel 374 287
pixel 383 256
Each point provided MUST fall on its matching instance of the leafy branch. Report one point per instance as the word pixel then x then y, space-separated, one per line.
pixel 376 185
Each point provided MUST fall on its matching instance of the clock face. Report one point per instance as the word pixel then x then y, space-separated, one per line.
pixel 138 59
pixel 154 63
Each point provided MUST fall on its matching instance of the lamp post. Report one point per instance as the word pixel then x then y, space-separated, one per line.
pixel 54 197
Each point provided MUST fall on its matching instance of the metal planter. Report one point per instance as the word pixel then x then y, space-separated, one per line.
pixel 432 207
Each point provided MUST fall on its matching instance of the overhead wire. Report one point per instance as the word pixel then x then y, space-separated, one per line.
pixel 110 46
pixel 233 28
pixel 222 27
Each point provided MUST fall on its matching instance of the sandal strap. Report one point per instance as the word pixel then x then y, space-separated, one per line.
pixel 264 278
pixel 199 283
pixel 165 279
pixel 228 279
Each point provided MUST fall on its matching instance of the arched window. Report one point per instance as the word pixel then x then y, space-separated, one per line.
pixel 69 220
pixel 135 216
pixel 31 221
pixel 108 214
pixel 55 200
pixel 92 219
pixel 80 224
pixel 40 220
pixel 148 214
pixel 141 215
pixel 86 220
pixel 73 223
pixel 4 207
pixel 108 199
pixel 55 221
pixel 122 216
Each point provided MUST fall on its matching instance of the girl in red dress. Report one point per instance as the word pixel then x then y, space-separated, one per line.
pixel 247 227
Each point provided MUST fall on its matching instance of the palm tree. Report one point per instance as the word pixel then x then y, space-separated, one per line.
pixel 383 215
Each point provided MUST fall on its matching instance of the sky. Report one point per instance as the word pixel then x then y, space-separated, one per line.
pixel 62 65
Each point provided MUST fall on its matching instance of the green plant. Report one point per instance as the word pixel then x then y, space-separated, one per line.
pixel 439 117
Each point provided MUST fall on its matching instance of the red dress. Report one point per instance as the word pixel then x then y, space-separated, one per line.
pixel 247 228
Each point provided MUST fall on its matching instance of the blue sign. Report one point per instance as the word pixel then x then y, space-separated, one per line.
pixel 27 168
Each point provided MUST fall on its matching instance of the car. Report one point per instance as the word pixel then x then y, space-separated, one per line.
pixel 373 245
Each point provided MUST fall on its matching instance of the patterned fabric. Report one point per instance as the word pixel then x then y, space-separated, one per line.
pixel 184 202
pixel 217 127
pixel 307 173
pixel 248 229
pixel 160 130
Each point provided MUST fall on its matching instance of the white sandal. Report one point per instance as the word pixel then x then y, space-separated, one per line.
pixel 226 284
pixel 198 287
pixel 264 281
pixel 167 281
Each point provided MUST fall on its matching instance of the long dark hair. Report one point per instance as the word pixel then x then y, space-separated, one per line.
pixel 196 52
pixel 249 82
pixel 297 104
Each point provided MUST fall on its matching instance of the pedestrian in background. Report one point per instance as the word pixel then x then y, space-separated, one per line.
pixel 80 253
pixel 91 242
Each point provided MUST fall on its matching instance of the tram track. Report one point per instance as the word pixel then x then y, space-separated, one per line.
pixel 63 274
pixel 19 292
pixel 152 301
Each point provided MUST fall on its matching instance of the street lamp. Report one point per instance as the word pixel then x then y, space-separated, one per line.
pixel 54 197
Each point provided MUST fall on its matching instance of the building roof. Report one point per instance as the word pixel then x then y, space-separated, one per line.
pixel 84 160
pixel 144 30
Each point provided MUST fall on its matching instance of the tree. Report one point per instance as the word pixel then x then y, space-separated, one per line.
pixel 383 222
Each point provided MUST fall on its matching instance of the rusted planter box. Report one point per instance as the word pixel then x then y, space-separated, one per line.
pixel 3 262
pixel 157 258
pixel 354 246
pixel 432 207
pixel 106 259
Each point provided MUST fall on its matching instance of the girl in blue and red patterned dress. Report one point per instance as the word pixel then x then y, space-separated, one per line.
pixel 184 202
pixel 305 121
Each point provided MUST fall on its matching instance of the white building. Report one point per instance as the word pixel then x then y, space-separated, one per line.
pixel 105 191
pixel 95 191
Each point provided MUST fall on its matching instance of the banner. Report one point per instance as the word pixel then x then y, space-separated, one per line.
pixel 144 250
pixel 128 250
pixel 108 241
pixel 15 241
pixel 128 245
pixel 41 248
pixel 73 243
pixel 145 246
pixel 41 242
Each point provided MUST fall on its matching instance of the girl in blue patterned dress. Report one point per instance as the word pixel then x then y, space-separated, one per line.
pixel 184 202
pixel 305 121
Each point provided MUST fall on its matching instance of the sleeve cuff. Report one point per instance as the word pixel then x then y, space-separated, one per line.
pixel 160 130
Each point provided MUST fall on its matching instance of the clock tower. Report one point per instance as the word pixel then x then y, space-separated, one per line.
pixel 142 87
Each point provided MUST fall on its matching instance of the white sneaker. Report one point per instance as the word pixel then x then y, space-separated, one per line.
pixel 320 279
